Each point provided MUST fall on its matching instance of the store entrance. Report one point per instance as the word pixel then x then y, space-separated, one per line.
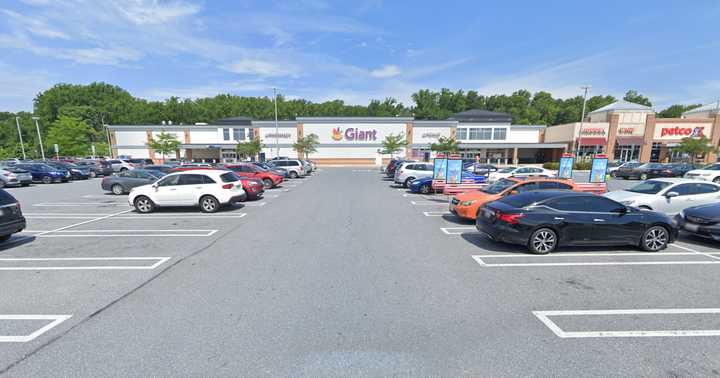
pixel 627 153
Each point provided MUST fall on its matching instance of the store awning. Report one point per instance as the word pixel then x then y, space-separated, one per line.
pixel 593 141
pixel 629 140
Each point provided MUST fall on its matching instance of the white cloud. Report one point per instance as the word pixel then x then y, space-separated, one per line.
pixel 36 26
pixel 20 87
pixel 385 71
pixel 260 67
pixel 148 12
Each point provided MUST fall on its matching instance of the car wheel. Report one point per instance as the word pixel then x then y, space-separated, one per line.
pixel 5 238
pixel 123 169
pixel 47 180
pixel 643 176
pixel 408 181
pixel 144 205
pixel 644 207
pixel 117 189
pixel 613 174
pixel 716 180
pixel 425 189
pixel 542 241
pixel 208 204
pixel 654 239
pixel 267 183
pixel 293 175
pixel 92 174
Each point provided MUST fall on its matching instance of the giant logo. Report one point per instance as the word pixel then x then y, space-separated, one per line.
pixel 696 132
pixel 353 134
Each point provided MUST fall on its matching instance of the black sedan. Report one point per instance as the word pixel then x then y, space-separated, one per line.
pixel 544 220
pixel 654 170
pixel 77 172
pixel 703 220
pixel 124 181
pixel 11 218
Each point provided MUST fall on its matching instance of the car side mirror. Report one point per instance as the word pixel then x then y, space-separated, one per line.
pixel 155 186
pixel 622 210
pixel 671 194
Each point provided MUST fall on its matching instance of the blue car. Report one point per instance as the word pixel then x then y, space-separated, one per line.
pixel 44 173
pixel 424 185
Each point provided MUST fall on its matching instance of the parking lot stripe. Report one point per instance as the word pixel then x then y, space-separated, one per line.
pixel 56 319
pixel 428 203
pixel 255 204
pixel 139 216
pixel 544 317
pixel 484 263
pixel 694 251
pixel 436 213
pixel 450 230
pixel 76 204
pixel 85 222
pixel 121 233
pixel 158 261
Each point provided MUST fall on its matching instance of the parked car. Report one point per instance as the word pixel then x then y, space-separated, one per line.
pixel 278 171
pixel 407 172
pixel 76 172
pixel 294 167
pixel 633 170
pixel 668 195
pixel 424 185
pixel 119 165
pixel 14 176
pixel 544 220
pixel 164 168
pixel 209 189
pixel 124 181
pixel 708 173
pixel 253 188
pixel 139 162
pixel 480 168
pixel 466 205
pixel 703 220
pixel 393 164
pixel 44 173
pixel 307 167
pixel 269 179
pixel 11 218
pixel 613 167
pixel 520 172
pixel 96 167
pixel 653 170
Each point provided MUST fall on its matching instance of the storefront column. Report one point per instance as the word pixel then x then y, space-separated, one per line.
pixel 300 135
pixel 409 139
pixel 646 147
pixel 712 156
pixel 113 145
pixel 612 136
pixel 151 152
pixel 515 156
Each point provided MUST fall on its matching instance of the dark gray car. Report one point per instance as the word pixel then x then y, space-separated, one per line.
pixel 124 181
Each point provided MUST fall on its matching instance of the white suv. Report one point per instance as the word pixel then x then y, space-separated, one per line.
pixel 707 173
pixel 295 168
pixel 407 172
pixel 119 165
pixel 208 188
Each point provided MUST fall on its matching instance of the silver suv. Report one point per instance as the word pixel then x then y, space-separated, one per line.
pixel 295 167
pixel 407 172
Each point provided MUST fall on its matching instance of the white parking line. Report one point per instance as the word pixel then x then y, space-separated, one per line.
pixel 428 203
pixel 457 230
pixel 76 204
pixel 158 261
pixel 694 251
pixel 137 216
pixel 435 213
pixel 120 233
pixel 56 319
pixel 255 204
pixel 85 222
pixel 543 316
pixel 483 259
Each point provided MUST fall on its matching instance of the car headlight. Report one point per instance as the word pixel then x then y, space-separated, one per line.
pixel 468 203
pixel 628 202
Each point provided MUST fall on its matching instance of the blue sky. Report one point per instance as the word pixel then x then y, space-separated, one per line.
pixel 359 50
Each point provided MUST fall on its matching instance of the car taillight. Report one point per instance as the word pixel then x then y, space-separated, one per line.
pixel 228 186
pixel 508 218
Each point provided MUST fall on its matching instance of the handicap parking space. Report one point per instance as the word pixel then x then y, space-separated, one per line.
pixel 82 249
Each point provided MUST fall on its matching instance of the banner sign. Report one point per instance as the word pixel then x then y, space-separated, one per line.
pixel 439 168
pixel 454 171
pixel 566 167
pixel 599 170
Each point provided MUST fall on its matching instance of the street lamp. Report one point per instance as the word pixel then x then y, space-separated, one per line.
pixel 582 119
pixel 37 127
pixel 22 145
pixel 277 135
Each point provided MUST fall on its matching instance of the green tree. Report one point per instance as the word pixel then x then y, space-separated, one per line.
pixel 392 144
pixel 164 143
pixel 72 135
pixel 696 147
pixel 306 145
pixel 249 149
pixel 675 111
pixel 445 145
pixel 634 96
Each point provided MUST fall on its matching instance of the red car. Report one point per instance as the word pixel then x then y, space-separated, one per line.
pixel 269 179
pixel 253 188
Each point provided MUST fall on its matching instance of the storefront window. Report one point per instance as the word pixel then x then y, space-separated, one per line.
pixel 500 133
pixel 655 152
pixel 481 134
pixel 627 152
pixel 589 151
pixel 239 134
pixel 226 134
pixel 462 133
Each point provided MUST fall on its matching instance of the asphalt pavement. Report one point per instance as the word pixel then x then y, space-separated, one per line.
pixel 341 274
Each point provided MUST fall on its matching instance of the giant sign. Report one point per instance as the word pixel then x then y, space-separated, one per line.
pixel 353 133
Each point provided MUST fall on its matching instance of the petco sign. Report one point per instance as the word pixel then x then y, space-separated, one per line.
pixel 679 131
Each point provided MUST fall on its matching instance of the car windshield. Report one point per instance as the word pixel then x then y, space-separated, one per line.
pixel 651 166
pixel 507 169
pixel 156 174
pixel 229 177
pixel 631 165
pixel 649 187
pixel 498 186
pixel 712 167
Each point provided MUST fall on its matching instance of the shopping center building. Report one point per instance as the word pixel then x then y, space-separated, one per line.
pixel 486 136
pixel 626 131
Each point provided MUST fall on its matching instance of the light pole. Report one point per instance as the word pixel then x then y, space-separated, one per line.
pixel 22 146
pixel 107 134
pixel 277 135
pixel 37 127
pixel 582 119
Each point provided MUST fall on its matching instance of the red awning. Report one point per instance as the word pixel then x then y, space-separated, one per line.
pixel 629 140
pixel 593 141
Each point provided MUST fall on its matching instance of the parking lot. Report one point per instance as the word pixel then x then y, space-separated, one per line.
pixel 341 273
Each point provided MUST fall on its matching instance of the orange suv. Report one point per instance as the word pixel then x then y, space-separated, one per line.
pixel 466 205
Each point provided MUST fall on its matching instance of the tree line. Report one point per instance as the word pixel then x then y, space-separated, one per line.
pixel 72 116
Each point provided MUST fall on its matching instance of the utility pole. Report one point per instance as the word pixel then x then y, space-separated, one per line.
pixel 107 134
pixel 37 127
pixel 22 146
pixel 277 135
pixel 582 119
